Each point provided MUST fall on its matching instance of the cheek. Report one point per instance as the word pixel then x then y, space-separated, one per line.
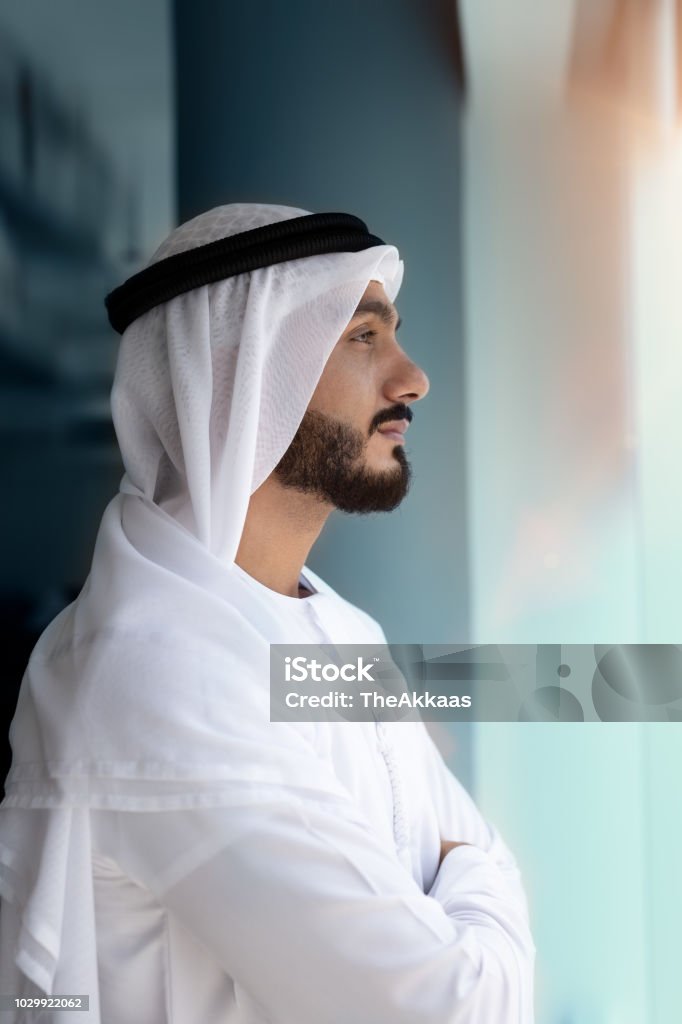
pixel 345 390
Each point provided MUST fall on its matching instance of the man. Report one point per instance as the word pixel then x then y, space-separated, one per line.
pixel 166 850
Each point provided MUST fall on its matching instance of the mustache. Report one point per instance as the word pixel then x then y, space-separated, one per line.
pixel 396 412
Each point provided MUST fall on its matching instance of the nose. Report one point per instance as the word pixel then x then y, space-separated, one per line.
pixel 407 381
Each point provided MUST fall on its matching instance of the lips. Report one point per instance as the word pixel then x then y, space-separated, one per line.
pixel 394 430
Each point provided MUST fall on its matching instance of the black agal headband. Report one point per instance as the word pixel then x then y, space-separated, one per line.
pixel 310 235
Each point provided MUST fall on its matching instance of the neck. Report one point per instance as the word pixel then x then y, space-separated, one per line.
pixel 281 526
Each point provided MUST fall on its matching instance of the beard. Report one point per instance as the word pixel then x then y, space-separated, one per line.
pixel 325 459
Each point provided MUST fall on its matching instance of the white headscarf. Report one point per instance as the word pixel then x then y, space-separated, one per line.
pixel 148 691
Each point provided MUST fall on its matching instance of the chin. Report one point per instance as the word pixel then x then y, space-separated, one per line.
pixel 386 458
pixel 388 469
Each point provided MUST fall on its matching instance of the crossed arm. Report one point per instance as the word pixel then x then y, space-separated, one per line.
pixel 317 920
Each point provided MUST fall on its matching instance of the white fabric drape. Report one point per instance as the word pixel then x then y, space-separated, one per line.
pixel 148 696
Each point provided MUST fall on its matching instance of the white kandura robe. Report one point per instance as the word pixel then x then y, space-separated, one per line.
pixel 297 910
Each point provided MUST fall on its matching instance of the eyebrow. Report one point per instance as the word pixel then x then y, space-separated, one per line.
pixel 381 309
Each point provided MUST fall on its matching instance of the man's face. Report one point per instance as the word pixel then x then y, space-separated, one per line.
pixel 348 449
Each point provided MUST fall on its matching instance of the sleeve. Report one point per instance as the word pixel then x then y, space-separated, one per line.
pixel 460 819
pixel 464 882
pixel 306 909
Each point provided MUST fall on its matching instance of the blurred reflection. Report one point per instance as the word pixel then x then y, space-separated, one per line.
pixel 626 52
pixel 574 318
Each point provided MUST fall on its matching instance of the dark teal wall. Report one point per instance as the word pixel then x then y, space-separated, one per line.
pixel 354 106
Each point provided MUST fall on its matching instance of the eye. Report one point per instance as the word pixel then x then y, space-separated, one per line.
pixel 364 336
